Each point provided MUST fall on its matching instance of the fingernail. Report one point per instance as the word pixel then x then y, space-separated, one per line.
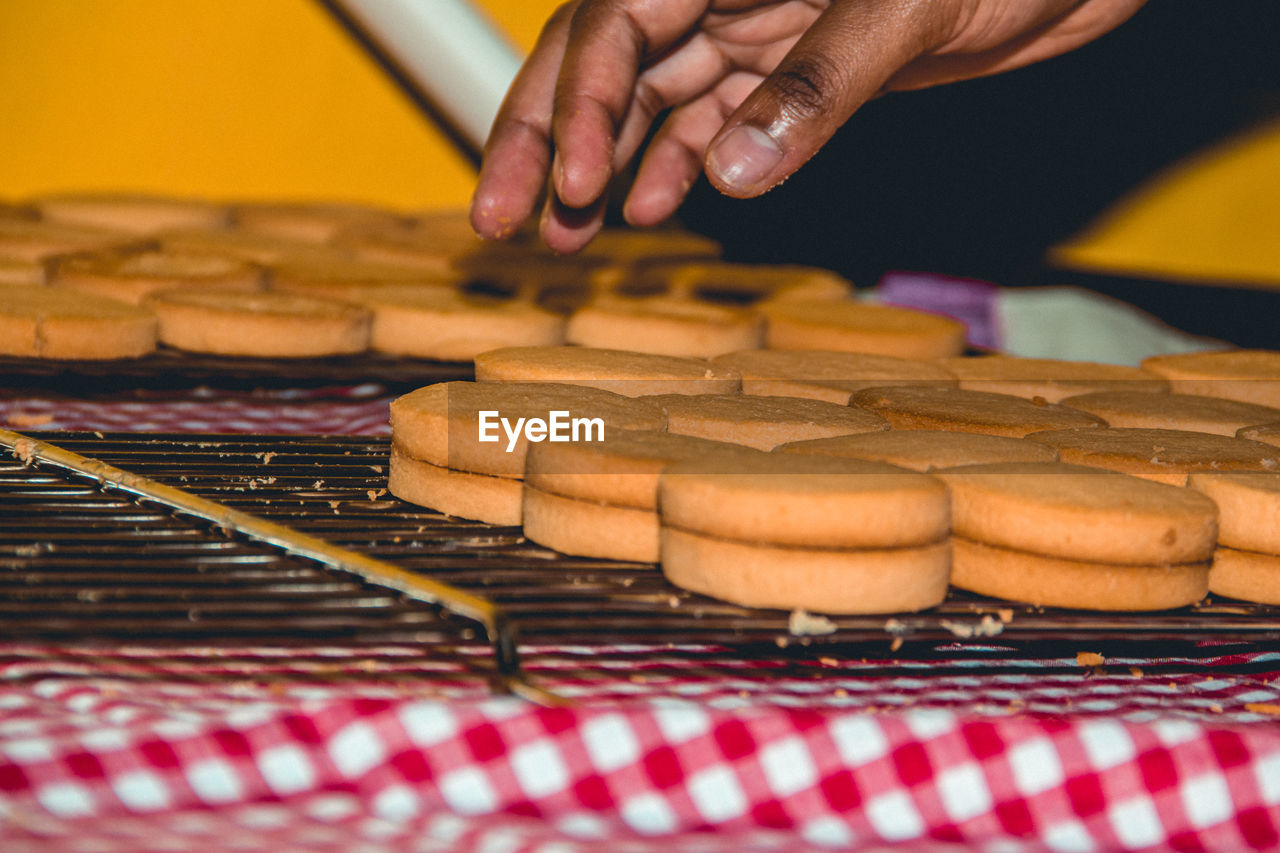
pixel 745 158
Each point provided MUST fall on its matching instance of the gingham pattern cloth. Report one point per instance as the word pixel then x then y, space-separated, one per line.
pixel 355 410
pixel 87 763
pixel 138 749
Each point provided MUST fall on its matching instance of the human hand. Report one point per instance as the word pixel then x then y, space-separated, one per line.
pixel 755 88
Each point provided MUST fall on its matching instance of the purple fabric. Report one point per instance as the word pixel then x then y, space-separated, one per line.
pixel 971 301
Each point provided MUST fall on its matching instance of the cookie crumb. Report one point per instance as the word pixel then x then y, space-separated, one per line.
pixel 1269 708
pixel 802 624
pixel 1090 659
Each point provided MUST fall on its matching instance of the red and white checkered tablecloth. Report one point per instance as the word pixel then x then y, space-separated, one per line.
pixel 134 749
pixel 110 763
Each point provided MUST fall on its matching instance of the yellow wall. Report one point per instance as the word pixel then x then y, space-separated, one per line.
pixel 222 98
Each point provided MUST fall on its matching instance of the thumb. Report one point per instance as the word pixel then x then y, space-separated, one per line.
pixel 840 63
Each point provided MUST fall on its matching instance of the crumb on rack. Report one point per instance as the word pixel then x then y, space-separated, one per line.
pixel 1269 708
pixel 803 624
pixel 1090 659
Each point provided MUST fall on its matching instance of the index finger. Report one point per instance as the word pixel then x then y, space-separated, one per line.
pixel 517 155
pixel 609 42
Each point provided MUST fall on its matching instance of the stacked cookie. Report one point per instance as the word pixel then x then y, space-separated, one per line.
pixel 600 499
pixel 770 530
pixel 460 447
pixel 1071 536
pixel 1246 564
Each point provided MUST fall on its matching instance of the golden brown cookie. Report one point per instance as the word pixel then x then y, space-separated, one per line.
pixel 268 325
pixel 827 375
pixel 442 423
pixel 1145 410
pixel 1248 507
pixel 346 278
pixel 493 500
pixel 957 410
pixel 1266 433
pixel 925 450
pixel 1075 584
pixel 749 284
pixel 830 580
pixel 133 214
pixel 1245 575
pixel 1252 376
pixel 1047 378
pixel 246 246
pixel 762 422
pixel 1163 455
pixel 44 322
pixel 804 501
pixel 131 276
pixel 665 326
pixel 589 529
pixel 308 222
pixel 445 323
pixel 644 245
pixel 862 327
pixel 14 271
pixel 631 374
pixel 600 499
pixel 621 470
pixel 28 240
pixel 1080 513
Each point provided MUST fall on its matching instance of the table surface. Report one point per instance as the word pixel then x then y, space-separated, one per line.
pixel 136 748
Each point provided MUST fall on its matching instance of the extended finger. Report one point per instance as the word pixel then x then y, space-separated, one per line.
pixel 608 43
pixel 517 156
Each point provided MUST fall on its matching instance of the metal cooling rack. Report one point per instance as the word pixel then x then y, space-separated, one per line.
pixel 87 558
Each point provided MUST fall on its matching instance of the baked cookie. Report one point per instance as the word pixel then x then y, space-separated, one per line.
pixel 268 325
pixel 308 222
pixel 14 271
pixel 1163 455
pixel 861 327
pixel 762 422
pixel 925 450
pixel 445 323
pixel 1191 412
pixel 627 246
pixel 44 322
pixel 1071 536
pixel 260 249
pixel 773 531
pixel 957 410
pixel 1266 433
pixel 664 326
pixel 600 499
pixel 750 284
pixel 827 375
pixel 1248 507
pixel 346 278
pixel 456 428
pixel 1080 513
pixel 441 423
pixel 1074 584
pixel 1047 378
pixel 132 276
pixel 1245 575
pixel 34 240
pixel 631 374
pixel 132 213
pixel 1252 376
pixel 493 500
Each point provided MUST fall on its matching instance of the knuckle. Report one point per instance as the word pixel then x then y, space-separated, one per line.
pixel 807 87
